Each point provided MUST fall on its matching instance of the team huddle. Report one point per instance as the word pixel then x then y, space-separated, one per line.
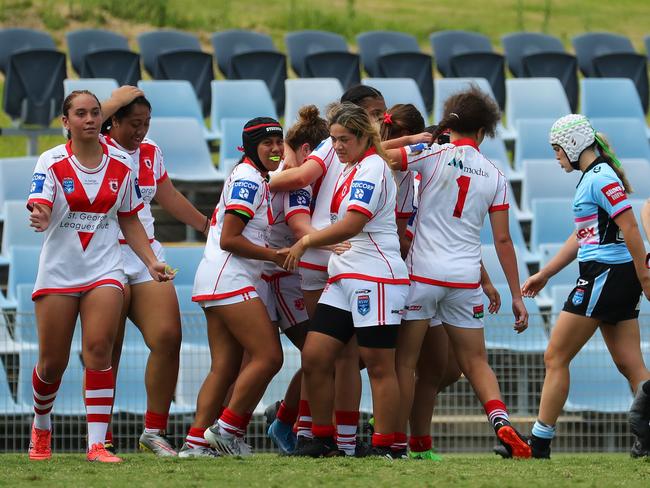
pixel 357 236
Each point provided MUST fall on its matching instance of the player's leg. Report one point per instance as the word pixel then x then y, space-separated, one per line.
pixel 623 341
pixel 347 397
pixel 100 311
pixel 154 310
pixel 250 325
pixel 56 316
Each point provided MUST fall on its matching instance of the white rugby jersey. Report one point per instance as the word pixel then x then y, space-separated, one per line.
pixel 151 171
pixel 459 187
pixel 323 189
pixel 222 274
pixel 80 249
pixel 368 187
pixel 285 205
pixel 405 194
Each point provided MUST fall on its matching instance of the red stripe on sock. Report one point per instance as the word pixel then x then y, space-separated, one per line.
pixel 153 420
pixel 346 417
pixel 286 414
pixel 232 418
pixel 492 405
pixel 420 443
pixel 43 388
pixel 382 440
pixel 323 430
pixel 99 380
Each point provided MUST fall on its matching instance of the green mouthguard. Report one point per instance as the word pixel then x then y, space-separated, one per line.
pixel 274 158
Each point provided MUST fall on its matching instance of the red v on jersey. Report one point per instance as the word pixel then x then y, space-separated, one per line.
pixel 340 192
pixel 77 198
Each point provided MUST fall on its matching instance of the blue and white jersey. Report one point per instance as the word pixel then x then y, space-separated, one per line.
pixel 600 197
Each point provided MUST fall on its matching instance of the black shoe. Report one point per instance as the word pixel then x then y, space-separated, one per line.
pixel 639 415
pixel 399 454
pixel 639 450
pixel 539 448
pixel 110 447
pixel 361 449
pixel 502 451
pixel 377 451
pixel 270 413
pixel 302 441
pixel 319 447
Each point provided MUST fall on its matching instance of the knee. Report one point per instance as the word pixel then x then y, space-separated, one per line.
pixel 167 343
pixel 275 361
pixel 51 369
pixel 314 362
pixel 100 349
pixel 381 369
pixel 553 359
pixel 624 367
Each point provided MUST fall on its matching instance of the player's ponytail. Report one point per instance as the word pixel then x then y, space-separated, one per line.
pixel 310 128
pixel 356 120
pixel 401 120
pixel 467 112
pixel 607 153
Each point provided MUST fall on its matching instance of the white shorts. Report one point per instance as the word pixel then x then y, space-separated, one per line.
pixel 266 295
pixel 241 297
pixel 135 269
pixel 461 307
pixel 370 303
pixel 313 279
pixel 289 302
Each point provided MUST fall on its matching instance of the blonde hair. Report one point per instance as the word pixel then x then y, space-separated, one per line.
pixel 356 120
pixel 607 153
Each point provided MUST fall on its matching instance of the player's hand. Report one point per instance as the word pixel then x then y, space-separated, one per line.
pixel 645 284
pixel 280 256
pixel 533 285
pixel 126 94
pixel 425 137
pixel 521 315
pixel 294 253
pixel 160 271
pixel 493 296
pixel 40 217
pixel 341 247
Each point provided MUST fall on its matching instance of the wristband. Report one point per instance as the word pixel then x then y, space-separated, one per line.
pixel 207 224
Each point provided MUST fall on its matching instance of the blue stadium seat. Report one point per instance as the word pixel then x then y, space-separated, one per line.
pixel 388 54
pixel 566 276
pixel 610 97
pixel 15 179
pixel 153 44
pixel 593 44
pixel 186 259
pixel 450 43
pixel 516 234
pixel 552 221
pixel 535 98
pixel 627 137
pixel 499 333
pixel 239 99
pixel 399 90
pixel 632 66
pixel 518 45
pixel 23 266
pixel 174 98
pixel 101 87
pixel 97 53
pixel 310 51
pixel 493 267
pixel 187 157
pixel 248 55
pixel 13 40
pixel 596 384
pixel 69 398
pixel 16 230
pixel 546 179
pixel 490 66
pixel 231 141
pixel 305 91
pixel 494 149
pixel 532 141
pixel 33 89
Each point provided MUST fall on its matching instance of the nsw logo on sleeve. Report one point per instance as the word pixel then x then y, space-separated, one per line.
pixel 299 198
pixel 38 180
pixel 244 190
pixel 362 191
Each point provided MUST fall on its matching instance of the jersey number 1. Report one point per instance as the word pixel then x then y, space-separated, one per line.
pixel 463 188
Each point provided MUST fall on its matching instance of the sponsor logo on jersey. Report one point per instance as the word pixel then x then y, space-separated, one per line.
pixel 363 291
pixel 68 185
pixel 614 193
pixel 586 233
pixel 299 198
pixel 582 282
pixel 244 190
pixel 578 296
pixel 333 218
pixel 147 163
pixel 38 180
pixel 299 304
pixel 362 191
pixel 456 163
pixel 363 304
pixel 597 169
pixel 414 308
pixel 398 312
pixel 478 311
pixel 417 148
pixel 477 172
pixel 113 185
pixel 137 188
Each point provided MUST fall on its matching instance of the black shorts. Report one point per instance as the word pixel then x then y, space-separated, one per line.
pixel 338 323
pixel 607 292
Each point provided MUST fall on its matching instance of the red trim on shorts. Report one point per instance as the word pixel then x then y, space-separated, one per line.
pixel 77 289
pixel 317 267
pixel 374 279
pixel 131 212
pixel 275 276
pixel 221 296
pixel 359 209
pixel 275 287
pixel 123 241
pixel 497 208
pixel 448 284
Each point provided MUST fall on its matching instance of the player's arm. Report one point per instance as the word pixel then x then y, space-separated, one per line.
pixel 296 178
pixel 136 237
pixel 424 137
pixel 300 224
pixel 627 223
pixel 180 207
pixel 563 258
pixel 119 98
pixel 349 226
pixel 645 218
pixel 233 241
pixel 490 291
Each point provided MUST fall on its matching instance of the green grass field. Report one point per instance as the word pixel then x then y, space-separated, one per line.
pixel 267 471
